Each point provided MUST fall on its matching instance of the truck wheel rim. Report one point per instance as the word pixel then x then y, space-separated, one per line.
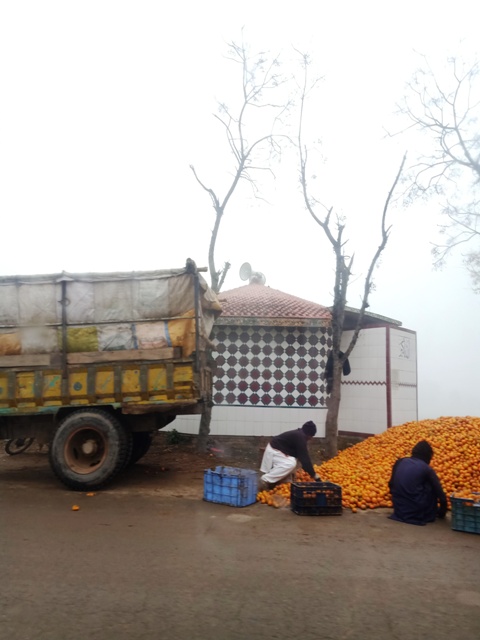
pixel 86 450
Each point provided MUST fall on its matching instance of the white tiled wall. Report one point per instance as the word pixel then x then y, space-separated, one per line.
pixel 403 359
pixel 368 359
pixel 252 421
pixel 363 408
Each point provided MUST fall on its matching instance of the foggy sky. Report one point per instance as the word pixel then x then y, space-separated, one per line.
pixel 106 104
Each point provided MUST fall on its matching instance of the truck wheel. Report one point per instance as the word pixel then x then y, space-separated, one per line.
pixel 141 443
pixel 89 448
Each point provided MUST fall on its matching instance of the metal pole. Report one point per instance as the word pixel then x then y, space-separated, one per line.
pixel 196 285
pixel 64 339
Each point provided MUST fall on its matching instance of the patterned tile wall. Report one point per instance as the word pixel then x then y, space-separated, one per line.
pixel 270 366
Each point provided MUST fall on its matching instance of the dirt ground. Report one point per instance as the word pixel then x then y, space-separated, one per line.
pixel 174 456
pixel 147 558
pixel 167 466
pixel 183 456
pixel 183 459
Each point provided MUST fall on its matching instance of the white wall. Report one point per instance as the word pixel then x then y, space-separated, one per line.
pixel 365 392
pixel 363 408
pixel 403 367
pixel 364 405
pixel 252 421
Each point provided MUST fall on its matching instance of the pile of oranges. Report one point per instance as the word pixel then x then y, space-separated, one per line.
pixel 277 497
pixel 471 497
pixel 363 471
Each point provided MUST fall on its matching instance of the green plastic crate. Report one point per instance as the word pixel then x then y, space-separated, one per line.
pixel 465 515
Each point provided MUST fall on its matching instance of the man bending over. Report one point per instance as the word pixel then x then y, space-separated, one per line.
pixel 283 452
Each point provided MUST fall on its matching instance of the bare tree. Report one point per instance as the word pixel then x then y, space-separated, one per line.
pixel 448 114
pixel 261 78
pixel 334 227
pixel 253 142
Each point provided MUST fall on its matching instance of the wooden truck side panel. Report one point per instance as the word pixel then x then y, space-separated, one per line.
pixel 119 384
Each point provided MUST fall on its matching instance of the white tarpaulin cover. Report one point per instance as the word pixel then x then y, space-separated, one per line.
pixel 104 312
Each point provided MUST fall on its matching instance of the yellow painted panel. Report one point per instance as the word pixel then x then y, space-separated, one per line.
pixel 25 389
pixel 157 390
pixel 183 374
pixel 52 385
pixel 78 384
pixel 3 387
pixel 158 396
pixel 104 383
pixel 157 379
pixel 131 381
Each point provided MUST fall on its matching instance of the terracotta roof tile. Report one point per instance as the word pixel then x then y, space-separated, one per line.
pixel 260 301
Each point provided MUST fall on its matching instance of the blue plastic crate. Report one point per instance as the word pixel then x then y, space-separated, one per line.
pixel 229 485
pixel 465 515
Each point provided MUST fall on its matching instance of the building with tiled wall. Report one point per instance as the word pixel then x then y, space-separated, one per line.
pixel 271 351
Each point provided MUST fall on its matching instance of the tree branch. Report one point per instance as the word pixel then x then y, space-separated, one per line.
pixel 259 77
pixel 448 115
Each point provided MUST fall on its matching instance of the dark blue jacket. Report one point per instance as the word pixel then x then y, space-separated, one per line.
pixel 416 492
pixel 294 443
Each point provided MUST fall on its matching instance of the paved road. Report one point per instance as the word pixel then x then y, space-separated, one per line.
pixel 143 564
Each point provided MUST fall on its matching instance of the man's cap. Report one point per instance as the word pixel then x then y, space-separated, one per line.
pixel 309 428
pixel 423 451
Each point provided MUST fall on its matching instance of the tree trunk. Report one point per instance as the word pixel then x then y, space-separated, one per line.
pixel 331 422
pixel 204 429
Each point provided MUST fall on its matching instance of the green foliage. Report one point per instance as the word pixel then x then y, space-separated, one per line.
pixel 174 437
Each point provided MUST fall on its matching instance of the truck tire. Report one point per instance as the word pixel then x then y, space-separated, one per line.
pixel 89 448
pixel 141 443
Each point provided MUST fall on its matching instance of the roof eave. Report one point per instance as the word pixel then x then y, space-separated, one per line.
pixel 271 322
pixel 370 318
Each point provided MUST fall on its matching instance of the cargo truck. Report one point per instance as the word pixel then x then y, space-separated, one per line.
pixel 95 364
